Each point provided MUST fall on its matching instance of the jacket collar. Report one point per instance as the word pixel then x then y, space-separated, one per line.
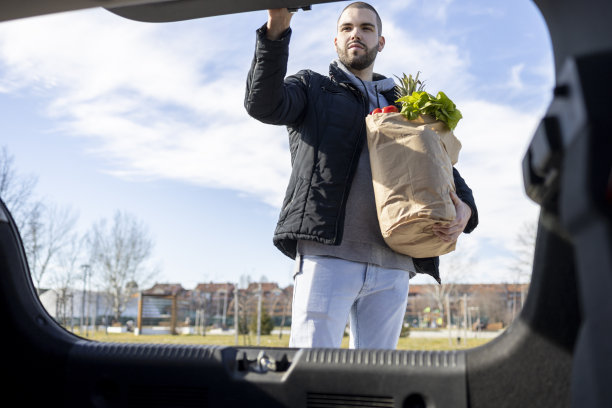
pixel 338 75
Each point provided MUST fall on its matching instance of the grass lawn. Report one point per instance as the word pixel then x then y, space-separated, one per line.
pixel 405 343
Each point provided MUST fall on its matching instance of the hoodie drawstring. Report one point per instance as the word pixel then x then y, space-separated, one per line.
pixel 377 99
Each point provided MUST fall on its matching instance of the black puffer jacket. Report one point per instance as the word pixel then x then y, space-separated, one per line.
pixel 325 119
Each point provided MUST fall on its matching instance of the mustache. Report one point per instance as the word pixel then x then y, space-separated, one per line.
pixel 356 42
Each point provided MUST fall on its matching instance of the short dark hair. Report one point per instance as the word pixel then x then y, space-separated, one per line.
pixel 364 5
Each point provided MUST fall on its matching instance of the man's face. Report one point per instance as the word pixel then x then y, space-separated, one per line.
pixel 357 41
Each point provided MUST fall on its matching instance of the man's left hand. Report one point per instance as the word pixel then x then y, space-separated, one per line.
pixel 450 232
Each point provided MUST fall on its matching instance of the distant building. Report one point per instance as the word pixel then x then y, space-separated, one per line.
pixel 214 299
pixel 68 306
pixel 276 301
pixel 166 289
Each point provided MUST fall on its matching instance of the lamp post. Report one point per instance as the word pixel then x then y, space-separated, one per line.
pixel 259 316
pixel 85 268
pixel 448 320
pixel 465 318
pixel 236 310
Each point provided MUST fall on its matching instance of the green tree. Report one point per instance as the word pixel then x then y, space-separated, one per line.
pixel 266 322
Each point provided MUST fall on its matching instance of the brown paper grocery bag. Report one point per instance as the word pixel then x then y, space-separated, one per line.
pixel 412 173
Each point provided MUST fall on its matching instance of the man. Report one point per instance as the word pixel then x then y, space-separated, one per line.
pixel 328 222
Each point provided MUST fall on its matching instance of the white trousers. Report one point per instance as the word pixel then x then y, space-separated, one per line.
pixel 329 291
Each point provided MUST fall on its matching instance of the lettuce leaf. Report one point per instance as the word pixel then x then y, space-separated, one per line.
pixel 423 103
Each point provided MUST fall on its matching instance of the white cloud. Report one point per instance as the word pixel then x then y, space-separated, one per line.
pixel 432 10
pixel 494 139
pixel 489 12
pixel 515 81
pixel 436 9
pixel 145 98
pixel 443 65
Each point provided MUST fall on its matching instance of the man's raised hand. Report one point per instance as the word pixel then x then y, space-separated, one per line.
pixel 278 21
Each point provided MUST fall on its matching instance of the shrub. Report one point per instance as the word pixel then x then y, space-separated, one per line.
pixel 267 325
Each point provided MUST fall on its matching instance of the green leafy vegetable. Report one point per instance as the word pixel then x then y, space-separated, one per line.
pixel 417 102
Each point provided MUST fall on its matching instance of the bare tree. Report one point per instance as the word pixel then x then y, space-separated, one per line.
pixel 282 301
pixel 16 190
pixel 492 305
pixel 44 229
pixel 524 251
pixel 47 231
pixel 66 274
pixel 119 252
pixel 455 268
pixel 523 260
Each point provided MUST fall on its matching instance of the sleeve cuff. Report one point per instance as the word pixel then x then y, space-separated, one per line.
pixel 473 221
pixel 261 34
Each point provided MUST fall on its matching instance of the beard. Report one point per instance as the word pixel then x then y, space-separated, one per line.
pixel 357 62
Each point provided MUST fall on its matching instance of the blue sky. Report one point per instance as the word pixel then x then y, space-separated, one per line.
pixel 148 118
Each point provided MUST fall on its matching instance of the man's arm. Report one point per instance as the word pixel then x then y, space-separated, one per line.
pixel 270 98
